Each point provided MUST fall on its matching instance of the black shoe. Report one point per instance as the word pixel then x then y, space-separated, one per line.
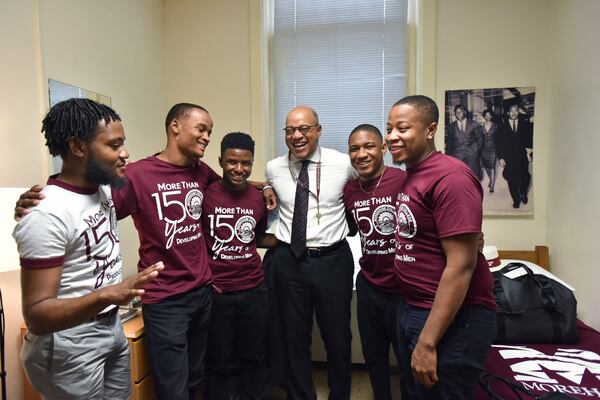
pixel 491 190
pixel 524 199
pixel 516 205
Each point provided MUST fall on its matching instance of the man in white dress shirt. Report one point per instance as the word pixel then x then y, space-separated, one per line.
pixel 313 262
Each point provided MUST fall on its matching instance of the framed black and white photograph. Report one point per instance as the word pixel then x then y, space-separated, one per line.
pixel 491 131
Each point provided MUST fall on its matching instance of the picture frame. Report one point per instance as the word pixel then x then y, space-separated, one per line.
pixel 491 131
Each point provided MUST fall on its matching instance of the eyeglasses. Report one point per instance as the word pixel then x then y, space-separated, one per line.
pixel 304 129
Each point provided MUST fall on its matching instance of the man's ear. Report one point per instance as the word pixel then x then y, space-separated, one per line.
pixel 431 130
pixel 78 147
pixel 175 125
pixel 220 162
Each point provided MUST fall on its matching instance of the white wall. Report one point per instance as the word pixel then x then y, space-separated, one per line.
pixel 112 47
pixel 21 105
pixel 212 58
pixel 23 162
pixel 490 44
pixel 573 193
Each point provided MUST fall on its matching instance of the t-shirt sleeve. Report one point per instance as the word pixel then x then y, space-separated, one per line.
pixel 41 240
pixel 457 205
pixel 124 199
pixel 212 175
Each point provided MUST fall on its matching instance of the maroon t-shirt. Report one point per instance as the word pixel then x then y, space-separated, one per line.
pixel 374 214
pixel 165 202
pixel 230 220
pixel 440 198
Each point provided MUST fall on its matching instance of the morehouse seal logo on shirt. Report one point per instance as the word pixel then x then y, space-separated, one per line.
pixel 244 229
pixel 193 203
pixel 383 219
pixel 407 226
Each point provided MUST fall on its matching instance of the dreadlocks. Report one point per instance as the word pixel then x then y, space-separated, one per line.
pixel 74 118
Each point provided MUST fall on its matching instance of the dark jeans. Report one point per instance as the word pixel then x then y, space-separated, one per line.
pixel 322 284
pixel 460 354
pixel 376 315
pixel 176 330
pixel 238 336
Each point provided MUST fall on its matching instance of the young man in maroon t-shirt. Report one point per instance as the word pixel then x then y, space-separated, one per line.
pixel 163 195
pixel 234 218
pixel 370 200
pixel 446 316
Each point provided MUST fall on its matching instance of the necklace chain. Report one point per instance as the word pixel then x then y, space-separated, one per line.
pixel 376 186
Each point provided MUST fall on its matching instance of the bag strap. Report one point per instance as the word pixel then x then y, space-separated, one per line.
pixel 547 294
pixel 486 380
pixel 503 304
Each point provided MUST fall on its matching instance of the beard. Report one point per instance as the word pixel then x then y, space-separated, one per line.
pixel 101 174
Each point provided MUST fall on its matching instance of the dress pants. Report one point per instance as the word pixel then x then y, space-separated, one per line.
pixel 517 176
pixel 319 284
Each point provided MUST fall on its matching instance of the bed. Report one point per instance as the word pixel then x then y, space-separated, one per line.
pixel 544 368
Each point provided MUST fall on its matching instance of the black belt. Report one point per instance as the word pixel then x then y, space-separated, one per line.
pixel 323 251
pixel 105 315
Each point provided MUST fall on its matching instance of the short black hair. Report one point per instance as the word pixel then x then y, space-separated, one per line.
pixel 237 140
pixel 74 118
pixel 486 111
pixel 366 127
pixel 179 110
pixel 460 106
pixel 425 105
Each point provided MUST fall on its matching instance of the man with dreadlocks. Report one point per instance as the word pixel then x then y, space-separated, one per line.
pixel 71 282
pixel 164 194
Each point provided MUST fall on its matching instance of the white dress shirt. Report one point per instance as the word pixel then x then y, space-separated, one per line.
pixel 336 170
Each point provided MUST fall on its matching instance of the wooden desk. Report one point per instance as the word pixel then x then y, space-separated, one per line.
pixel 142 385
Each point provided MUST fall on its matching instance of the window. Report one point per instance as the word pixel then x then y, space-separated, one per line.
pixel 59 91
pixel 344 58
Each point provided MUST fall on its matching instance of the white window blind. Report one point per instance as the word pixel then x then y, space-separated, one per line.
pixel 344 58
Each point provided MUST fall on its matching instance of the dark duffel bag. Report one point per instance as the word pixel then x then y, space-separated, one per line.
pixel 533 308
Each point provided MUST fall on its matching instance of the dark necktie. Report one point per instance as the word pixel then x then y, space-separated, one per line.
pixel 298 240
pixel 514 126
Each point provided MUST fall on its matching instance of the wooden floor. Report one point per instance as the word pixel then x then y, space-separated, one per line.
pixel 361 385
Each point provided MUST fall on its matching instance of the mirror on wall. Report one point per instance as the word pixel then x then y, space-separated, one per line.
pixel 59 91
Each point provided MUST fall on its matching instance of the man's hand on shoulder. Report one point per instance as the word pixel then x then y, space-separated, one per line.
pixel 28 200
pixel 270 197
pixel 268 193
